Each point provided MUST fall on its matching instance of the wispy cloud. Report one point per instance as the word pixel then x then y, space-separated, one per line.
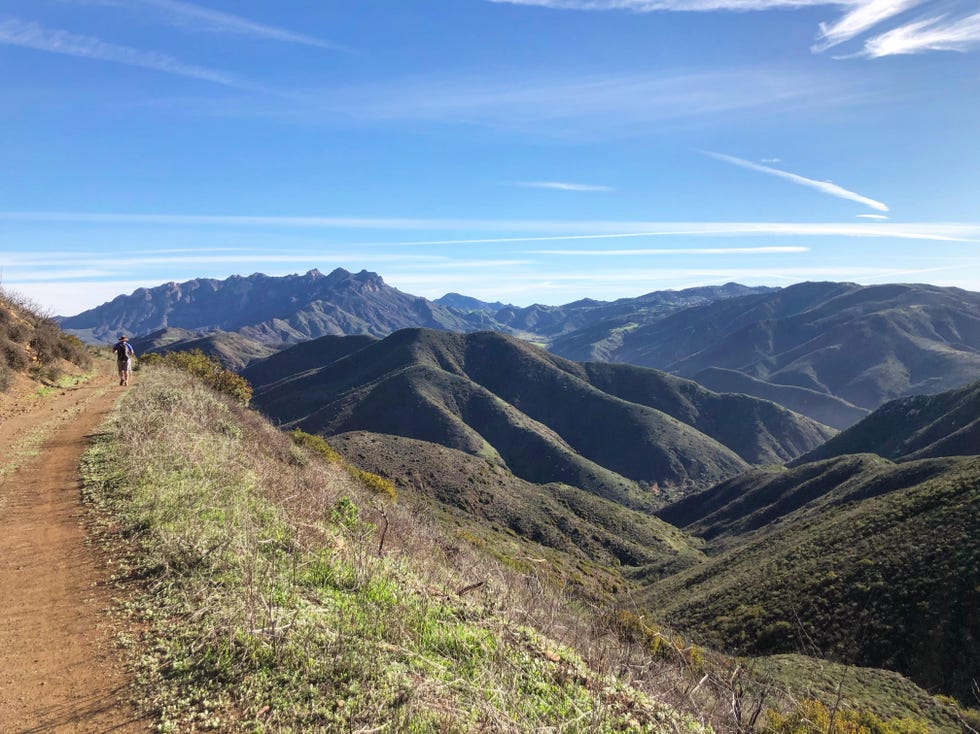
pixel 561 186
pixel 583 106
pixel 676 251
pixel 863 17
pixel 201 18
pixel 878 217
pixel 559 229
pixel 823 186
pixel 860 16
pixel 14 32
pixel 647 6
pixel 933 34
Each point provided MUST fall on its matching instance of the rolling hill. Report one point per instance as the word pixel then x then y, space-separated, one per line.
pixel 606 429
pixel 233 351
pixel 854 559
pixel 847 553
pixel 487 503
pixel 862 345
pixel 915 427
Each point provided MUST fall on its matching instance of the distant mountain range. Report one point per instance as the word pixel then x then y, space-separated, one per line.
pixel 278 311
pixel 827 350
pixel 625 433
pixel 830 351
pixel 269 310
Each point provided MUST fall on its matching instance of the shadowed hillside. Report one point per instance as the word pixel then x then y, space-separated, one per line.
pixel 915 427
pixel 826 409
pixel 861 344
pixel 546 419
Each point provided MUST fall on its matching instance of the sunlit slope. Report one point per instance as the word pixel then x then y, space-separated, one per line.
pixel 854 558
pixel 860 344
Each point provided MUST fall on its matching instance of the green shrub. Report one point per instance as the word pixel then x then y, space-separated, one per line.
pixel 207 369
pixel 316 444
pixel 377 484
pixel 814 717
pixel 320 447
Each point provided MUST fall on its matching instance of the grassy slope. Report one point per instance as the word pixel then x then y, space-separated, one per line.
pixel 585 537
pixel 882 570
pixel 888 695
pixel 274 594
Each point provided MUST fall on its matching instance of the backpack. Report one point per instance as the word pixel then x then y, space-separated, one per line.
pixel 121 350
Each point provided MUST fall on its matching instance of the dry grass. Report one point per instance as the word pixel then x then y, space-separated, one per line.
pixel 280 593
pixel 30 340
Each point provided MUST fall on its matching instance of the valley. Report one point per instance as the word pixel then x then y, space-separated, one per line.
pixel 826 504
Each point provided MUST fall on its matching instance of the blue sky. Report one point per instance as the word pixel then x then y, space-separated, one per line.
pixel 520 150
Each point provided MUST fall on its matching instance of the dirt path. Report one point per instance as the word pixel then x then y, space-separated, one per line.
pixel 58 671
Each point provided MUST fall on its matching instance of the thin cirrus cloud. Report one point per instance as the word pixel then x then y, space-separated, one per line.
pixel 938 33
pixel 15 32
pixel 932 34
pixel 863 17
pixel 577 105
pixel 825 187
pixel 561 186
pixel 197 17
pixel 782 250
pixel 558 229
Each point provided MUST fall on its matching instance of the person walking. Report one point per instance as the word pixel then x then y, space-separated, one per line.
pixel 124 358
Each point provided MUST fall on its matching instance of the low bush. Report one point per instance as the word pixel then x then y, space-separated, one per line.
pixel 206 369
pixel 321 448
pixel 15 356
pixel 814 717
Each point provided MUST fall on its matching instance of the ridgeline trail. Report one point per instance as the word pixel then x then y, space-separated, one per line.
pixel 58 667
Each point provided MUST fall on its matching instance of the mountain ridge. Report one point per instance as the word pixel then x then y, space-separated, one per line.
pixel 541 415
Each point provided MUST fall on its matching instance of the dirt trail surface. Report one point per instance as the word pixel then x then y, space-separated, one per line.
pixel 58 668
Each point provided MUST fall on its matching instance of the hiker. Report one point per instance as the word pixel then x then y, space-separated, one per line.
pixel 124 358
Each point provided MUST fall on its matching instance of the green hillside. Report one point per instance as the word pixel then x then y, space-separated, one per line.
pixel 916 427
pixel 856 558
pixel 546 419
pixel 584 535
pixel 820 406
